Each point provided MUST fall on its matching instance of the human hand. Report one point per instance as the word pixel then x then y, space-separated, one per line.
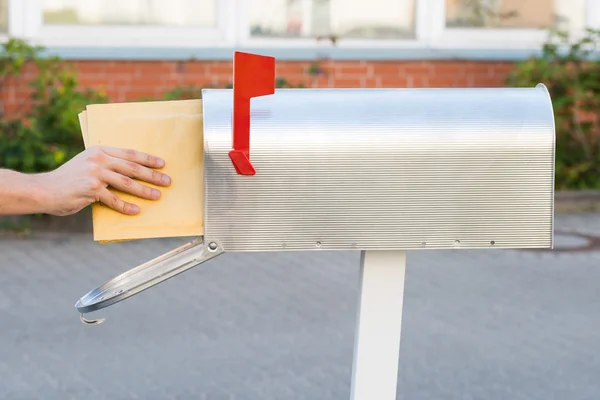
pixel 85 179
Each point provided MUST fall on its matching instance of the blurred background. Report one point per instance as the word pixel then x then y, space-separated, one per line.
pixel 59 55
pixel 477 325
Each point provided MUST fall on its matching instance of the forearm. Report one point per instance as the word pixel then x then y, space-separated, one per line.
pixel 21 193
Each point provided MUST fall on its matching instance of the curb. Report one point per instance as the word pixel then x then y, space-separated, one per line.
pixel 565 202
pixel 80 223
pixel 573 202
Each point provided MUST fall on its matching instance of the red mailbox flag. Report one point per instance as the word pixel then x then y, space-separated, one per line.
pixel 253 76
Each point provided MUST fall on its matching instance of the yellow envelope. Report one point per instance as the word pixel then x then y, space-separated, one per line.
pixel 172 130
pixel 83 124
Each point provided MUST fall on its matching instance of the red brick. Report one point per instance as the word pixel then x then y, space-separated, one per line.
pixel 191 68
pixel 20 92
pixel 418 68
pixel 386 68
pixel 115 94
pixel 146 81
pixel 88 67
pixel 321 82
pixel 476 68
pixel 448 68
pixel 121 67
pixel 155 68
pixel 220 80
pixel 441 81
pixel 347 83
pixel 131 80
pixel 374 82
pixel 119 80
pixel 291 69
pixel 192 80
pixel 485 81
pixel 418 81
pixel 137 94
pixel 220 69
pixel 501 68
pixel 353 69
pixel 11 109
pixel 394 82
pixel 172 81
pixel 93 80
pixel 461 81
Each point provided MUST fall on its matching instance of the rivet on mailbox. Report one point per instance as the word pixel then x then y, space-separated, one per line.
pixel 382 171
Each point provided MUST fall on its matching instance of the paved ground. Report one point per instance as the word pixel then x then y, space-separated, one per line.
pixel 477 325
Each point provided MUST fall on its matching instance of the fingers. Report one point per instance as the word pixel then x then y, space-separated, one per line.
pixel 134 156
pixel 137 171
pixel 113 201
pixel 125 184
pixel 120 168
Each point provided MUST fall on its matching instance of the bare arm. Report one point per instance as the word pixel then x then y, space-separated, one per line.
pixel 81 181
pixel 21 193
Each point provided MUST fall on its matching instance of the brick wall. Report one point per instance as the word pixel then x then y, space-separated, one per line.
pixel 132 80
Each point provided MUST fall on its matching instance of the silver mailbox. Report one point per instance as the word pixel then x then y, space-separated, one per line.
pixel 369 169
pixel 383 169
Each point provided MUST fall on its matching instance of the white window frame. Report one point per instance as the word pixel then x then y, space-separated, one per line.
pixel 490 38
pixel 17 12
pixel 233 31
pixel 420 40
pixel 32 27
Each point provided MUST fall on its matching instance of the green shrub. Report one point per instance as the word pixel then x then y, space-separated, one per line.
pixel 47 133
pixel 572 74
pixel 183 93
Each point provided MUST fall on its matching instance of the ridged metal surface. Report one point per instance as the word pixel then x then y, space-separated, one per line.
pixel 384 169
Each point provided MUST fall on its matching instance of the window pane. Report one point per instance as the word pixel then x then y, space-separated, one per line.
pixel 356 19
pixel 4 16
pixel 546 14
pixel 197 13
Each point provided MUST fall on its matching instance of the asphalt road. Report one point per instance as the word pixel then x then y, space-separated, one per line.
pixel 495 324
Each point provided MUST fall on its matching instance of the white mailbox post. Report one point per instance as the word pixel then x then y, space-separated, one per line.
pixel 382 171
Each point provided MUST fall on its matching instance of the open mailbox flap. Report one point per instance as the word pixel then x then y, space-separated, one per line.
pixel 336 169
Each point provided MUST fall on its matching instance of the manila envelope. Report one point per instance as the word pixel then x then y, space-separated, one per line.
pixel 172 130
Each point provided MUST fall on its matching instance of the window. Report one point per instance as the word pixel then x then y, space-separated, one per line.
pixel 536 14
pixel 3 16
pixel 293 26
pixel 510 24
pixel 349 19
pixel 173 13
pixel 127 23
